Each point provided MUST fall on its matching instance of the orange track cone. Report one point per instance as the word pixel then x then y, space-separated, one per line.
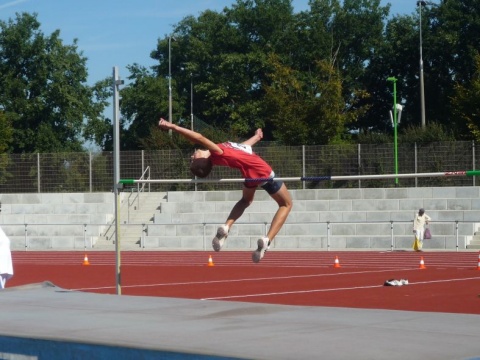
pixel 210 261
pixel 478 264
pixel 336 264
pixel 85 260
pixel 422 263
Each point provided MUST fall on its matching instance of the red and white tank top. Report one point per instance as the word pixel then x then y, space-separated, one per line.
pixel 241 157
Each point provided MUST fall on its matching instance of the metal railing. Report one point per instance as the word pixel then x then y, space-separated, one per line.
pixel 135 196
pixel 48 240
pixel 30 239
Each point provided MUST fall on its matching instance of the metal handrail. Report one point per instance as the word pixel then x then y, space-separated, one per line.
pixel 140 188
pixel 144 230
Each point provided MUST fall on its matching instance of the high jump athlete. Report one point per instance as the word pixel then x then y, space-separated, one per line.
pixel 251 166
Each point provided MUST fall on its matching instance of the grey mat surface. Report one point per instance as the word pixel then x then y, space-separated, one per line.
pixel 235 329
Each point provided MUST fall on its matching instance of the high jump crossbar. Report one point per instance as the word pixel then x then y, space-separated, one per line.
pixel 302 178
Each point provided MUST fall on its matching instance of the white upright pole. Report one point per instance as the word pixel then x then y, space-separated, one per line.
pixel 191 102
pixel 170 82
pixel 422 84
pixel 116 173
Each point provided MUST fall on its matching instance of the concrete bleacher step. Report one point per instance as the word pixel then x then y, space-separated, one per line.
pixel 126 243
pixel 474 243
pixel 339 218
pixel 190 218
pixel 54 221
pixel 137 210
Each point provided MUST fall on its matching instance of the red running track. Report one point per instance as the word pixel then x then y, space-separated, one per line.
pixel 450 281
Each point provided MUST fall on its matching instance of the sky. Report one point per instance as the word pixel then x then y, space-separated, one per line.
pixel 122 32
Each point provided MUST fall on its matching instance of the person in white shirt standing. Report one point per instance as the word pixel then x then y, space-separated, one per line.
pixel 6 265
pixel 421 219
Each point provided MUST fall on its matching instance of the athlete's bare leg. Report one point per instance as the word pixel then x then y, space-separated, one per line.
pixel 284 201
pixel 240 206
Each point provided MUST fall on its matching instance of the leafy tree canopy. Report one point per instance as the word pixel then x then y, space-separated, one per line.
pixel 314 77
pixel 42 89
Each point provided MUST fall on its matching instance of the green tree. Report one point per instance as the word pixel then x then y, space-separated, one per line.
pixel 224 55
pixel 358 29
pixel 142 103
pixel 307 110
pixel 227 54
pixel 226 58
pixel 6 138
pixel 466 104
pixel 6 133
pixel 454 45
pixel 348 34
pixel 449 44
pixel 99 129
pixel 43 89
pixel 396 56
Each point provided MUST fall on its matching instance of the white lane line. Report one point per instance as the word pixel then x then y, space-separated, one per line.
pixel 332 289
pixel 272 278
pixel 290 292
pixel 446 280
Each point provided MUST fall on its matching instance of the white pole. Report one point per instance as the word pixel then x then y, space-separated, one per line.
pixel 116 172
pixel 191 102
pixel 422 86
pixel 170 82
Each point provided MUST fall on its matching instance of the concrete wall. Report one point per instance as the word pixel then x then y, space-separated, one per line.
pixel 335 218
pixel 46 221
pixel 321 219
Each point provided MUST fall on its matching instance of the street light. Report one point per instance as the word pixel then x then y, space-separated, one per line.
pixel 399 117
pixel 421 4
pixel 394 121
pixel 191 101
pixel 170 80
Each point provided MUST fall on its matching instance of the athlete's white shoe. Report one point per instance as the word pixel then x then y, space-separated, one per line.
pixel 258 254
pixel 219 239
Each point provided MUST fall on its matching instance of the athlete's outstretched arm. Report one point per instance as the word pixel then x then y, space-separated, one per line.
pixel 255 138
pixel 193 136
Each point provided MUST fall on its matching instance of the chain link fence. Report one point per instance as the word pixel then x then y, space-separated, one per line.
pixel 93 172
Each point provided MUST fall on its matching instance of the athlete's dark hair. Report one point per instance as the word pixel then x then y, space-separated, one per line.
pixel 201 167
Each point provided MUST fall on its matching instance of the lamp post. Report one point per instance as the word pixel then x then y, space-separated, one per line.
pixel 191 101
pixel 422 4
pixel 170 81
pixel 395 147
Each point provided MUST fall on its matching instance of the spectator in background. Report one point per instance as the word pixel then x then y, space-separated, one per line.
pixel 421 219
pixel 6 267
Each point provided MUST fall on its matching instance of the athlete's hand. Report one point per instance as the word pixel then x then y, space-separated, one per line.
pixel 164 124
pixel 259 133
